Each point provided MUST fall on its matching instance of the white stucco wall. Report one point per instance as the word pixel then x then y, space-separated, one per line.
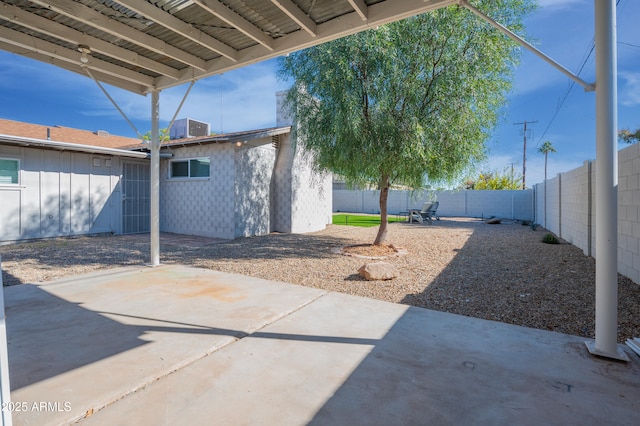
pixel 252 191
pixel 303 198
pixel 311 196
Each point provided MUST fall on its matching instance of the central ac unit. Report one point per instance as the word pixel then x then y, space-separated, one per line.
pixel 188 128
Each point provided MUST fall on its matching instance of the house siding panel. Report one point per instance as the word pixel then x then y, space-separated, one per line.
pixel 60 194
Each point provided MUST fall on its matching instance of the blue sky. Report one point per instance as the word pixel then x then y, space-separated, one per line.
pixel 244 99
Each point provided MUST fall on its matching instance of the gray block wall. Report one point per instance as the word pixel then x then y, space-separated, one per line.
pixel 253 189
pixel 203 206
pixel 629 212
pixel 571 209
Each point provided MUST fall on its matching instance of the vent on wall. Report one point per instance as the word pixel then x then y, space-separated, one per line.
pixel 275 141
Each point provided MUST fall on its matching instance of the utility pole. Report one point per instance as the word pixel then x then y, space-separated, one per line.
pixel 511 179
pixel 524 154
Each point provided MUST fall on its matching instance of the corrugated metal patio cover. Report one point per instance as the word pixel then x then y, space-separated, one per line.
pixel 141 45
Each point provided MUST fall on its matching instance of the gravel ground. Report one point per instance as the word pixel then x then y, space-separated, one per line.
pixel 459 265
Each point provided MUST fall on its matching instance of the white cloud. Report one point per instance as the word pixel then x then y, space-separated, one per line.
pixel 629 90
pixel 243 99
pixel 561 4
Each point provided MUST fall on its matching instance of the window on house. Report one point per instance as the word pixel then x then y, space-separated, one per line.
pixel 9 170
pixel 189 168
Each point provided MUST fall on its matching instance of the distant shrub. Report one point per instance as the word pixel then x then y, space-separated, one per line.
pixel 550 239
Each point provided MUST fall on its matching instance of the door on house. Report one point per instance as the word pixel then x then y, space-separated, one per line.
pixel 136 202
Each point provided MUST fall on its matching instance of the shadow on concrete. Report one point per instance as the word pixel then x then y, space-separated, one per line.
pixel 442 369
pixel 47 336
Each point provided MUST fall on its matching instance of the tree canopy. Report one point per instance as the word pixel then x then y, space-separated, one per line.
pixel 494 180
pixel 545 149
pixel 629 136
pixel 405 103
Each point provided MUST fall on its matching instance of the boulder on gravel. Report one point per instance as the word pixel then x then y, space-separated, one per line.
pixel 378 271
pixel 494 221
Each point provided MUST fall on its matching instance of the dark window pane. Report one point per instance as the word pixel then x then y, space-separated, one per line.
pixel 200 167
pixel 179 169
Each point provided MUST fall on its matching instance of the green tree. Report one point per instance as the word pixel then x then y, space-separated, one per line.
pixel 495 180
pixel 164 135
pixel 405 103
pixel 545 149
pixel 627 136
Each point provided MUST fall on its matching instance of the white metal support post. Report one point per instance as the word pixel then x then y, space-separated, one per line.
pixel 155 179
pixel 5 389
pixel 606 337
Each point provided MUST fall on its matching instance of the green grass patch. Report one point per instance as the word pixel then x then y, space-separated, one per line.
pixel 364 221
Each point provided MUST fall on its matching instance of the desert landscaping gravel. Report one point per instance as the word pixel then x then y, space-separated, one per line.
pixel 501 272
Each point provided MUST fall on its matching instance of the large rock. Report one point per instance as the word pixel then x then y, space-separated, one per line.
pixel 378 271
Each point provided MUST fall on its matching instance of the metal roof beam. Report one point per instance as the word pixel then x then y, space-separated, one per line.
pixel 297 15
pixel 62 32
pixel 90 17
pixel 37 45
pixel 180 27
pixel 123 84
pixel 379 14
pixel 218 9
pixel 360 7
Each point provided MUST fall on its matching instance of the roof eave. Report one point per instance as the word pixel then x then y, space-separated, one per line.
pixel 66 146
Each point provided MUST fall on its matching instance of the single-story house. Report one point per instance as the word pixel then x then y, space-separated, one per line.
pixel 58 181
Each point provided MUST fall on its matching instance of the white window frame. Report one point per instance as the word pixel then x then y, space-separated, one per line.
pixel 188 161
pixel 17 160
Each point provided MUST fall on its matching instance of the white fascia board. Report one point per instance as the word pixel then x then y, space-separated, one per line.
pixel 66 146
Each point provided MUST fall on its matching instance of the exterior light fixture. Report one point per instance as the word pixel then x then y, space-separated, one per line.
pixel 84 50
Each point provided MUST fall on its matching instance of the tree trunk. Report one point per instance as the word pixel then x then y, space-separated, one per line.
pixel 384 194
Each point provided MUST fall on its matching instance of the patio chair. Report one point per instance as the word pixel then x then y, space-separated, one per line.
pixel 421 215
pixel 433 212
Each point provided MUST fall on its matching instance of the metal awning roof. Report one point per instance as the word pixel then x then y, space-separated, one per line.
pixel 142 46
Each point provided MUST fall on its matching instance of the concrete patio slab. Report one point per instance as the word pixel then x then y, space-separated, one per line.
pixel 84 342
pixel 229 349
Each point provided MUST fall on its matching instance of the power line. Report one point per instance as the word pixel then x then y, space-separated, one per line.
pixel 566 94
pixel 591 49
pixel 628 44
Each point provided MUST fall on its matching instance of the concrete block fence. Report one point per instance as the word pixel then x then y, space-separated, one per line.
pixel 565 205
pixel 571 209
pixel 505 204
